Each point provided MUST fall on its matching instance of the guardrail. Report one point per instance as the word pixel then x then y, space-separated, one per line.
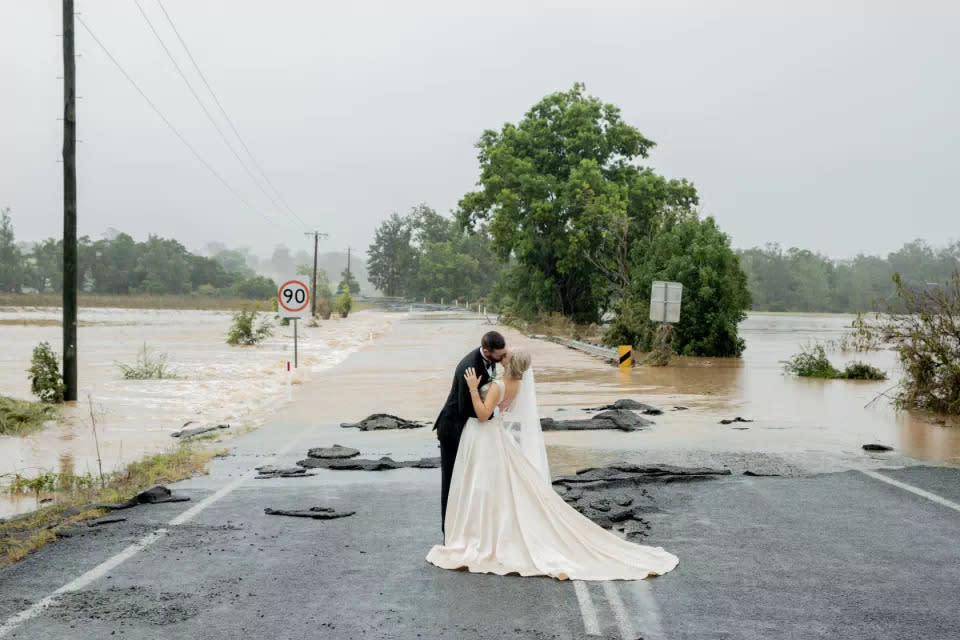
pixel 597 350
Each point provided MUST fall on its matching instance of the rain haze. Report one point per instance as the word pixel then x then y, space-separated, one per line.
pixel 828 126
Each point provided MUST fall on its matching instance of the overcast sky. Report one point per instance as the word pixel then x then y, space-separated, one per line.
pixel 833 126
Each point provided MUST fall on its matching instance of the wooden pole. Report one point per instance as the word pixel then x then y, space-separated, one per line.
pixel 70 271
pixel 313 292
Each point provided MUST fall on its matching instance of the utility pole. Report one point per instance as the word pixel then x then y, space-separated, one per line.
pixel 70 275
pixel 313 292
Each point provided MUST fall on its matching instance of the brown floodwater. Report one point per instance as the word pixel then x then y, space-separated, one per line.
pixel 816 424
pixel 213 382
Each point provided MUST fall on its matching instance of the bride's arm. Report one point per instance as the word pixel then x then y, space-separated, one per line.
pixel 482 407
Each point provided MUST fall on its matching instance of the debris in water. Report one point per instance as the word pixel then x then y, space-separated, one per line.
pixel 317 513
pixel 631 405
pixel 732 420
pixel 614 419
pixel 877 447
pixel 382 421
pixel 195 431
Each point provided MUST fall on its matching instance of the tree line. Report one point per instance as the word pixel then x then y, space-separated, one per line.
pixel 801 280
pixel 425 255
pixel 119 265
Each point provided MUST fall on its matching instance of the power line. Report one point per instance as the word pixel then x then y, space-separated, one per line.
pixel 204 107
pixel 168 123
pixel 227 117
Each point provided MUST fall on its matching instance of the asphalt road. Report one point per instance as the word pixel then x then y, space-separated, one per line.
pixel 837 555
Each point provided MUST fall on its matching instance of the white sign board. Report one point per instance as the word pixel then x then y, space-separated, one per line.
pixel 293 299
pixel 665 301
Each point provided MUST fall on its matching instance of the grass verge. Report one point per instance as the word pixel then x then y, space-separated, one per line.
pixel 23 535
pixel 22 417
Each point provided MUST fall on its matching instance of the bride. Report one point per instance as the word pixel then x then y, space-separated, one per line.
pixel 503 514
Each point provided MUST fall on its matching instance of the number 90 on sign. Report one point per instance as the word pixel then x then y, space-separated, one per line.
pixel 293 298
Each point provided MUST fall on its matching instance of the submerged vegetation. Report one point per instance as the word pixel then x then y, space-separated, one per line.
pixel 46 382
pixel 812 362
pixel 149 366
pixel 243 332
pixel 22 417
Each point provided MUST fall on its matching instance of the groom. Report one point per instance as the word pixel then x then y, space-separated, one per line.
pixel 459 407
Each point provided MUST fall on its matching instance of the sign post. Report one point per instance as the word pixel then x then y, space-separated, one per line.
pixel 665 301
pixel 293 299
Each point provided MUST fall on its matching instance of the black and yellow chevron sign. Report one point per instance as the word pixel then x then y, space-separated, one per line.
pixel 626 357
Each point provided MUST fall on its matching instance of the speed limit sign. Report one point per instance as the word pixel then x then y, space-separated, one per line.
pixel 293 299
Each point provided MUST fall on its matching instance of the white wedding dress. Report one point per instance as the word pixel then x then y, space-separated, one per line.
pixel 503 515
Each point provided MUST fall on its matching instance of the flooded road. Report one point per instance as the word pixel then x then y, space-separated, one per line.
pixel 216 382
pixel 810 425
pixel 818 424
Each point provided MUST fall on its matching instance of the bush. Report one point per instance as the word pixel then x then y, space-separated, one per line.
pixel 926 331
pixel 206 291
pixel 344 304
pixel 242 332
pixel 812 362
pixel 863 371
pixel 255 288
pixel 324 308
pixel 148 367
pixel 46 382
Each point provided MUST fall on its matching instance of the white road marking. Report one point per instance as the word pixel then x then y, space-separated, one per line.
pixel 97 572
pixel 113 562
pixel 619 611
pixel 647 611
pixel 587 610
pixel 912 489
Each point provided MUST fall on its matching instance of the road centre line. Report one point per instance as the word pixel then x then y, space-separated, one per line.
pixel 587 611
pixel 912 489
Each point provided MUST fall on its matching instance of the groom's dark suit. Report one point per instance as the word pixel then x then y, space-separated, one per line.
pixel 453 417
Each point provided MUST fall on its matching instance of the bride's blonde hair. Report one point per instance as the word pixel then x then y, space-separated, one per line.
pixel 518 364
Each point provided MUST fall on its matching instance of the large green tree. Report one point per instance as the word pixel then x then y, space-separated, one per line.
pixel 552 187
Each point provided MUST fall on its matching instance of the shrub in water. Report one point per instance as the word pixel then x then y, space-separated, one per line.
pixel 863 371
pixel 45 380
pixel 811 362
pixel 344 304
pixel 148 366
pixel 243 332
